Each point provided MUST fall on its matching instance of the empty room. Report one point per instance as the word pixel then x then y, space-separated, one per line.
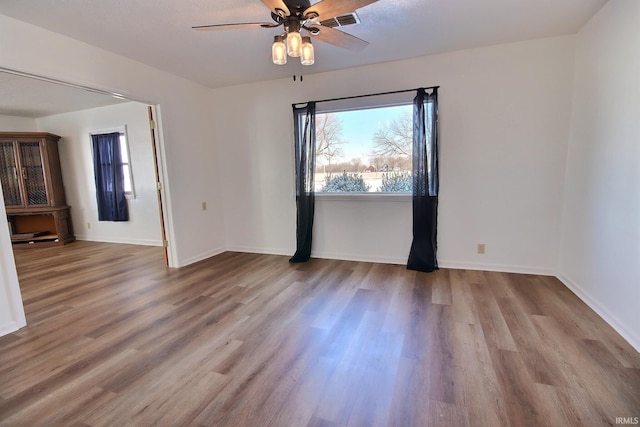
pixel 320 213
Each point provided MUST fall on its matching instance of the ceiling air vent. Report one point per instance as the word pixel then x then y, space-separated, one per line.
pixel 341 21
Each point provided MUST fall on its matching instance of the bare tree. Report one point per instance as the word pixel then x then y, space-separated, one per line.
pixel 328 136
pixel 381 163
pixel 395 139
pixel 356 164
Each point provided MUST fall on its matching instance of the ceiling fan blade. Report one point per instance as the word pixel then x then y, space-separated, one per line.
pixel 337 37
pixel 331 8
pixel 276 5
pixel 238 25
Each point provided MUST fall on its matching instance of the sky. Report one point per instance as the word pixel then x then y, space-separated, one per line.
pixel 359 126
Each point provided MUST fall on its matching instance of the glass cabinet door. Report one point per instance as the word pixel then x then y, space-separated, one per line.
pixel 9 175
pixel 33 174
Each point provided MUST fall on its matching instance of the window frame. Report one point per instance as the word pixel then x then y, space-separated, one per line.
pixel 360 104
pixel 122 130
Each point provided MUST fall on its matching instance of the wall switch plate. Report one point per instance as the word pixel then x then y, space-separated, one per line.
pixel 481 248
pixel 204 206
pixel 88 225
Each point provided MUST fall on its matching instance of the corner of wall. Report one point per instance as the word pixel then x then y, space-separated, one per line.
pixel 629 335
pixel 598 250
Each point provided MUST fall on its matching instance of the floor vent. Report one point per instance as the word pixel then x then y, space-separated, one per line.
pixel 342 20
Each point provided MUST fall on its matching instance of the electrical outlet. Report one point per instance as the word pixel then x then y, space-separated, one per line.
pixel 481 248
pixel 204 206
pixel 88 225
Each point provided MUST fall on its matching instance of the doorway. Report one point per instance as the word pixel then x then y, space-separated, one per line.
pixel 73 112
pixel 16 116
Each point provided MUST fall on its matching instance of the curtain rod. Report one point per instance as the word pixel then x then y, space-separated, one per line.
pixel 370 94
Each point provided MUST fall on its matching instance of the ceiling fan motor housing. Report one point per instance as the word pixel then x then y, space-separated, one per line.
pixel 296 9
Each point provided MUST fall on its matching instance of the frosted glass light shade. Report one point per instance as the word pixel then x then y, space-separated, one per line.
pixel 294 42
pixel 307 54
pixel 279 51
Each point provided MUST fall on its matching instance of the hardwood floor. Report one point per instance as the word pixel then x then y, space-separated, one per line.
pixel 117 339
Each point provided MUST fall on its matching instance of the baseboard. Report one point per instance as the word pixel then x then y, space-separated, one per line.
pixel 256 250
pixel 359 258
pixel 321 255
pixel 9 327
pixel 630 336
pixel 503 268
pixel 125 241
pixel 200 257
pixel 458 265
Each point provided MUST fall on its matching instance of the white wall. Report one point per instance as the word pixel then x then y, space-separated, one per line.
pixel 17 124
pixel 600 251
pixel 504 114
pixel 143 227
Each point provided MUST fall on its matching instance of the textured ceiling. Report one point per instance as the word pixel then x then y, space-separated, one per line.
pixel 158 32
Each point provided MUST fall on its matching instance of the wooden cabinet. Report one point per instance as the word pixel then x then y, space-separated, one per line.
pixel 31 180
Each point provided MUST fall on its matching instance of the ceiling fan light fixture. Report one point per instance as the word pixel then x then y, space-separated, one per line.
pixel 294 43
pixel 279 50
pixel 297 17
pixel 307 56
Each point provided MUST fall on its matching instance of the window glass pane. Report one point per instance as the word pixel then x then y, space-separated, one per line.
pixel 366 150
pixel 124 152
pixel 126 167
pixel 127 178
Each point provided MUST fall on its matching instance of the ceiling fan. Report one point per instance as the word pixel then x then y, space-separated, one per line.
pixel 296 16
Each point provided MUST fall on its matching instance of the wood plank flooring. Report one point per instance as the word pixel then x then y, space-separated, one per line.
pixel 117 339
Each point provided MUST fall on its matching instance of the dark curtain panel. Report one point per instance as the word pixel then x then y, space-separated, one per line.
pixel 107 166
pixel 422 256
pixel 305 145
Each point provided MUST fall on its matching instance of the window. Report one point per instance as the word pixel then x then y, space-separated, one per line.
pixel 366 150
pixel 126 167
pixel 126 160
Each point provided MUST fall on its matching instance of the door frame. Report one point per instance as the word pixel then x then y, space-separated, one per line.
pixel 156 135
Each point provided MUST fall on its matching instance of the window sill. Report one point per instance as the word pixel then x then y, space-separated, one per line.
pixel 364 197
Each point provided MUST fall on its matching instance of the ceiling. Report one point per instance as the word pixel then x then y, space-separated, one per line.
pixel 158 32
